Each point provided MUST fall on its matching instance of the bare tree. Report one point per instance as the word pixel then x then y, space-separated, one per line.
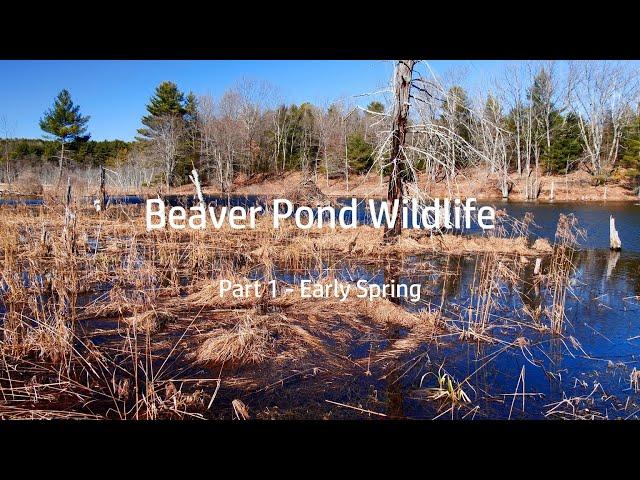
pixel 165 142
pixel 491 141
pixel 511 87
pixel 600 94
pixel 255 98
pixel 221 137
pixel 7 132
pixel 281 120
pixel 399 168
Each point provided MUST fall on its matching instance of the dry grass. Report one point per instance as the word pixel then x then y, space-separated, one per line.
pixel 254 338
pixel 249 341
pixel 151 321
pixel 66 269
pixel 562 268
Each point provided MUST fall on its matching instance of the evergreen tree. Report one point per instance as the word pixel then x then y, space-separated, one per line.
pixel 191 142
pixel 191 111
pixel 165 127
pixel 493 111
pixel 167 100
pixel 540 95
pixel 457 105
pixel 64 122
pixel 630 148
pixel 359 153
pixel 456 113
pixel 376 107
pixel 566 147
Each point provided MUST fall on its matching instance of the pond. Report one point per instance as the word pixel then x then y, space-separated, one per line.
pixel 592 217
pixel 585 373
pixel 523 372
pixel 591 363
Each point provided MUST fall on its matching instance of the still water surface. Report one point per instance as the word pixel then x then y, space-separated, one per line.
pixel 587 370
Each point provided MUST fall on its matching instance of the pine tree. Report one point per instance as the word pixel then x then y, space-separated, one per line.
pixel 566 147
pixel 360 153
pixel 376 107
pixel 65 123
pixel 191 141
pixel 167 100
pixel 457 104
pixel 540 95
pixel 165 126
pixel 456 113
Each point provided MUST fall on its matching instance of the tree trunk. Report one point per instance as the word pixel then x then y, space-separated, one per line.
pixel 103 192
pixel 614 239
pixel 167 173
pixel 346 158
pixel 196 183
pixel 402 88
pixel 60 162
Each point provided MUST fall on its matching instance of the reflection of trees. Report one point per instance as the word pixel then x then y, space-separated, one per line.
pixel 451 273
pixel 617 272
pixel 531 296
pixel 395 395
pixel 556 346
pixel 627 270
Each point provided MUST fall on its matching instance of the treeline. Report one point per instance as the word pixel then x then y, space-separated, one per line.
pixel 535 118
pixel 83 152
pixel 246 132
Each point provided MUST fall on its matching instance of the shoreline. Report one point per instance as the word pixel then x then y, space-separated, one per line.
pixel 575 187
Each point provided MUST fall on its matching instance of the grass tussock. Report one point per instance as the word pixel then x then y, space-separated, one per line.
pixel 248 341
pixel 254 338
pixel 151 321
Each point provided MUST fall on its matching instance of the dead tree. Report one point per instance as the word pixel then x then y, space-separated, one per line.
pixel 196 183
pixel 399 168
pixel 614 239
pixel 166 141
pixel 102 194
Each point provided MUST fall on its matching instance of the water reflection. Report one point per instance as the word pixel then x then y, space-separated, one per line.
pixel 602 311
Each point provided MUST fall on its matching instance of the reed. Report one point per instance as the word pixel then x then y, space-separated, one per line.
pixel 562 268
pixel 112 321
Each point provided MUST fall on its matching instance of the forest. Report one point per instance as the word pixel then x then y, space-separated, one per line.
pixel 534 119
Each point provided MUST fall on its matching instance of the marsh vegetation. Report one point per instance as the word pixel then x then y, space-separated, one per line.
pixel 104 319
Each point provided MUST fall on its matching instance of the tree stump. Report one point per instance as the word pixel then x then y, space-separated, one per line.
pixel 536 269
pixel 614 239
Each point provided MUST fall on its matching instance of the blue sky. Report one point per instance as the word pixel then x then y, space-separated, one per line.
pixel 114 93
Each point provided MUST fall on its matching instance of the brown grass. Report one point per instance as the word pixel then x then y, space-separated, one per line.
pixel 66 269
pixel 151 321
pixel 249 341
